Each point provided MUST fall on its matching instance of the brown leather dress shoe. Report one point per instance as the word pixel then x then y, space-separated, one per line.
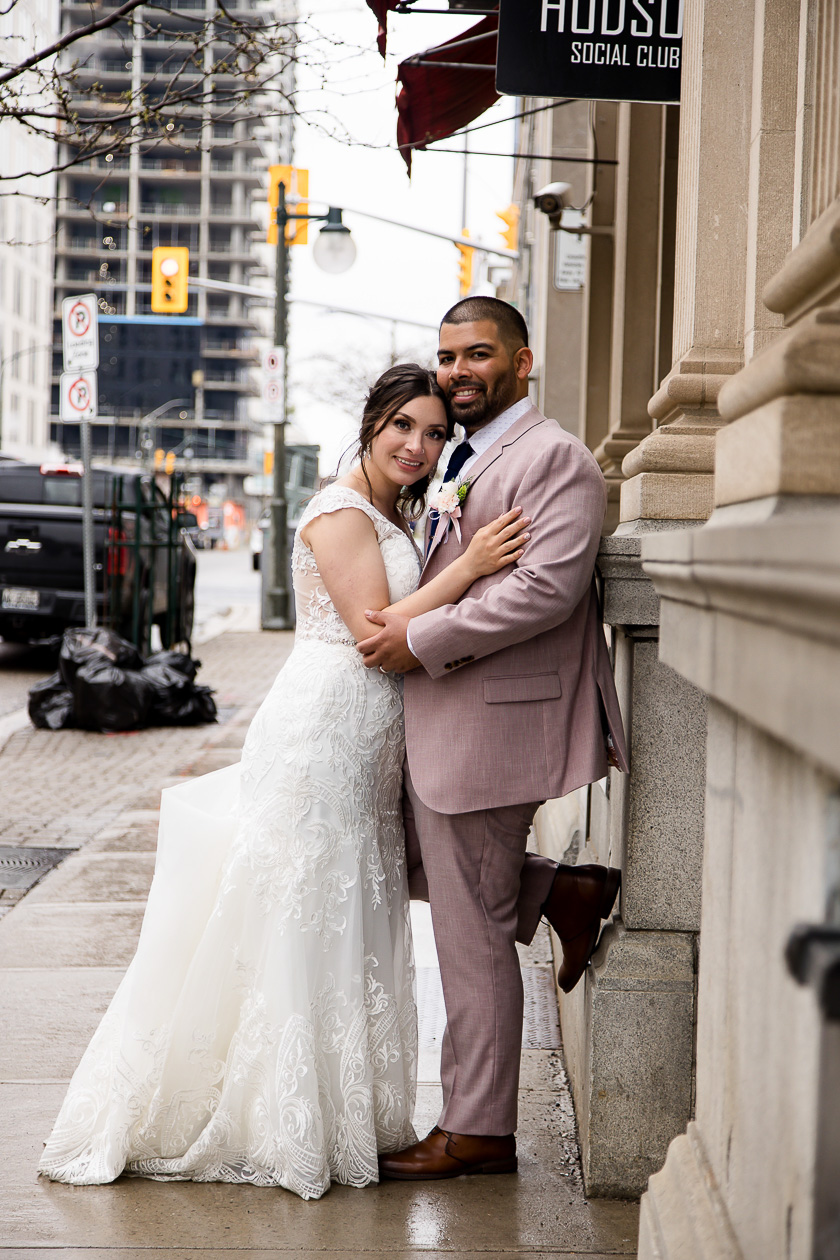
pixel 580 897
pixel 443 1154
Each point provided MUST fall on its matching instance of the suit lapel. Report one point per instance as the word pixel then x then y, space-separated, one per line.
pixel 523 425
pixel 520 427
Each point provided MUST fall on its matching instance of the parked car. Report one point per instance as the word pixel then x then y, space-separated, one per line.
pixel 41 570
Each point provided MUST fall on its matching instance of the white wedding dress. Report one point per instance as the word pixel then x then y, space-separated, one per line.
pixel 266 1031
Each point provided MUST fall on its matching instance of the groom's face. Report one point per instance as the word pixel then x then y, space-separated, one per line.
pixel 477 372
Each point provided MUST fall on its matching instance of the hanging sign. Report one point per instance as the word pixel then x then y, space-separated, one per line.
pixel 602 50
pixel 569 254
pixel 78 395
pixel 80 334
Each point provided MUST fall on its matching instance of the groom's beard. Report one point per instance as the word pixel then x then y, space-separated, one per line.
pixel 494 399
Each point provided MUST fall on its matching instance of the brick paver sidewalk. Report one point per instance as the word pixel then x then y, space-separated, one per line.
pixel 61 788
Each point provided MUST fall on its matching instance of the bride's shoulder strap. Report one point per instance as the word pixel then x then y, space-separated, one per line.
pixel 332 499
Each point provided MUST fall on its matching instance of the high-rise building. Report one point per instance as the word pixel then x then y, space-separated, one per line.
pixel 26 245
pixel 178 383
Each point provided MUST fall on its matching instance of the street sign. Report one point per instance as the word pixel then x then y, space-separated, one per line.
pixel 80 333
pixel 602 50
pixel 272 362
pixel 272 390
pixel 78 395
pixel 569 255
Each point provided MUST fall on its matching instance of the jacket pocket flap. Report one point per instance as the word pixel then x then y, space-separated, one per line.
pixel 522 687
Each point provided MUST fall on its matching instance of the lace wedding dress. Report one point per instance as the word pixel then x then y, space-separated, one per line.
pixel 265 1031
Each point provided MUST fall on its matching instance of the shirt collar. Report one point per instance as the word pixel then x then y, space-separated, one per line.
pixel 490 433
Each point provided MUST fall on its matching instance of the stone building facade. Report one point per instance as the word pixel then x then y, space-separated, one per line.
pixel 704 370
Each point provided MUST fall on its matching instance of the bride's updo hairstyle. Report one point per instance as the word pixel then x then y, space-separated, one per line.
pixel 394 388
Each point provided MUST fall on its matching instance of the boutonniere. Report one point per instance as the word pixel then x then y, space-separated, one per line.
pixel 445 509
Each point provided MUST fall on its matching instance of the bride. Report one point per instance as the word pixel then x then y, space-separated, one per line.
pixel 265 1031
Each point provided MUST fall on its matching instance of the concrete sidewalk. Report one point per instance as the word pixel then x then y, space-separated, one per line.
pixel 63 947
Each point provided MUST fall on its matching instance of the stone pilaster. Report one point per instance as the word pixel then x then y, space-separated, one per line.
pixel 632 1095
pixel 642 285
pixel 670 474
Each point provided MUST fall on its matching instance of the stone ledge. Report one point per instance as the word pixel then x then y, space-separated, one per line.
pixel 751 616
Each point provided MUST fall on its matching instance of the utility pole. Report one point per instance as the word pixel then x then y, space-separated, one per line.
pixel 277 612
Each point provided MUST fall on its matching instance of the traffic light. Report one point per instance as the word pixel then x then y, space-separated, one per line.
pixel 510 236
pixel 170 279
pixel 159 454
pixel 465 266
pixel 296 181
pixel 268 463
pixel 169 465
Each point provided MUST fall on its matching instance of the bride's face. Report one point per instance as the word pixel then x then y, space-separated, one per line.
pixel 411 441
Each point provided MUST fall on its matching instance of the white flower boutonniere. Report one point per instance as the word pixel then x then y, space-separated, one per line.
pixel 445 509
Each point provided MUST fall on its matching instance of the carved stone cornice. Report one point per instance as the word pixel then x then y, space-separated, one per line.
pixel 805 359
pixel 694 383
pixel 810 275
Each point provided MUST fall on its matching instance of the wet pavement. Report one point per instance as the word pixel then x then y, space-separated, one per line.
pixel 63 948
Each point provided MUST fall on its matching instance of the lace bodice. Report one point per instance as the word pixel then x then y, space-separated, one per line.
pixel 317 616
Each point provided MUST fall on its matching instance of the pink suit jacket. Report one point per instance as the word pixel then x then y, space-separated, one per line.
pixel 516 684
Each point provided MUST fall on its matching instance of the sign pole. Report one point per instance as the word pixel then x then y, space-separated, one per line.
pixel 87 526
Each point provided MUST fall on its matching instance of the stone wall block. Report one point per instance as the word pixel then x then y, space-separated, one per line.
pixel 640 1003
pixel 664 809
pixel 668 496
pixel 666 452
pixel 772 450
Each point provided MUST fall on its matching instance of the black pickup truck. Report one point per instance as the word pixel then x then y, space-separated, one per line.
pixel 41 573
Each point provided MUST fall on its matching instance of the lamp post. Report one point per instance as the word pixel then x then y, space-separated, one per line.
pixel 334 252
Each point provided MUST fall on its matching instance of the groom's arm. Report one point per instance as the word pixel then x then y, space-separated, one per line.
pixel 565 496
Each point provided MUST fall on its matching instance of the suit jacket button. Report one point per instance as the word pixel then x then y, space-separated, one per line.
pixel 448 665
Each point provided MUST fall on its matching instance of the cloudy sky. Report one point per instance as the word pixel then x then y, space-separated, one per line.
pixel 346 140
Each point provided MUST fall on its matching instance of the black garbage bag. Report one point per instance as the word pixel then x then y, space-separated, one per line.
pixel 175 699
pixel 108 698
pixel 95 647
pixel 180 661
pixel 51 704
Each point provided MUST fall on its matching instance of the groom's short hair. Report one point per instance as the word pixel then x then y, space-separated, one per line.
pixel 512 327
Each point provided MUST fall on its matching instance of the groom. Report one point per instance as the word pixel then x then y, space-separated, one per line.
pixel 509 700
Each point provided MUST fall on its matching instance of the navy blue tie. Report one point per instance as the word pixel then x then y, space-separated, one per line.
pixel 457 460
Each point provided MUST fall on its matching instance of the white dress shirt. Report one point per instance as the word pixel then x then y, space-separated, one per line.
pixel 481 441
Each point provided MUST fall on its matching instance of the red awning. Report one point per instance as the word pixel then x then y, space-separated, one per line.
pixel 381 9
pixel 433 102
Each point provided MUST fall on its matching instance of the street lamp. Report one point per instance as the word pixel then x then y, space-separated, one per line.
pixel 335 249
pixel 334 252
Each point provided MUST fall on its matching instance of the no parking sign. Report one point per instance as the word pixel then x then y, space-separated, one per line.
pixel 80 334
pixel 78 395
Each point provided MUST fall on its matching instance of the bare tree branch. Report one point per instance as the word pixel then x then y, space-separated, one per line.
pixel 71 37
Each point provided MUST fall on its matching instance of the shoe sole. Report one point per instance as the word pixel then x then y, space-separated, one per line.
pixel 495 1166
pixel 611 886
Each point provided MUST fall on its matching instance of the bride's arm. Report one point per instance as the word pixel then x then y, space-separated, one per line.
pixel 491 548
pixel 350 562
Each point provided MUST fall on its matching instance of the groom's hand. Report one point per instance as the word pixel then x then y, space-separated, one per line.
pixel 389 648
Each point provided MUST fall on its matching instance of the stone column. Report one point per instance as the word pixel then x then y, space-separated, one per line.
pixel 670 474
pixel 642 296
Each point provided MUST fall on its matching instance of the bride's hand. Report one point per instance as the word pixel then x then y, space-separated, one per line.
pixel 497 544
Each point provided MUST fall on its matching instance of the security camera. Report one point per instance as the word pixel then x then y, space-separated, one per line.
pixel 551 199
